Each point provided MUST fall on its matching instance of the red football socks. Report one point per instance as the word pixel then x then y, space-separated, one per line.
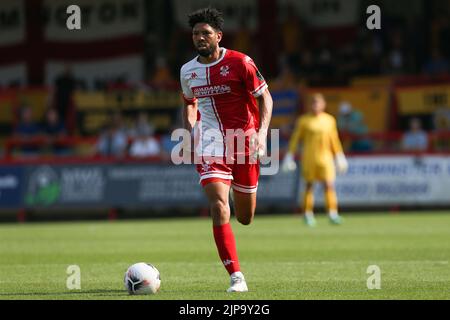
pixel 226 246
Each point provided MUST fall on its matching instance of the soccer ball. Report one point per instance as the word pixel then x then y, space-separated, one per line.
pixel 142 278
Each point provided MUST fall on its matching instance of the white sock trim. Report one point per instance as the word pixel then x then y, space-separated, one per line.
pixel 237 274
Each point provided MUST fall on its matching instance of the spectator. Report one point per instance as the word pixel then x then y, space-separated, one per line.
pixel 286 78
pixel 145 145
pixel 351 122
pixel 53 129
pixel 27 127
pixel 65 85
pixel 52 126
pixel 113 141
pixel 162 77
pixel 26 130
pixel 292 38
pixel 415 139
pixel 325 57
pixel 395 62
pixel 307 65
pixel 142 126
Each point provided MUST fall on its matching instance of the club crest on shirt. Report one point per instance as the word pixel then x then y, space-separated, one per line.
pixel 224 71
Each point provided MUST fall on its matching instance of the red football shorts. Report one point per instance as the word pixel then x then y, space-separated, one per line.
pixel 242 177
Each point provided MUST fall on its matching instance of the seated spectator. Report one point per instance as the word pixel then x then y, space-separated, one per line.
pixel 113 141
pixel 27 129
pixel 286 78
pixel 167 145
pixel 145 145
pixel 142 126
pixel 415 139
pixel 351 122
pixel 162 77
pixel 53 128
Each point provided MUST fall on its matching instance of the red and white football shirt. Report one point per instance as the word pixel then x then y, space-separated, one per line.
pixel 226 92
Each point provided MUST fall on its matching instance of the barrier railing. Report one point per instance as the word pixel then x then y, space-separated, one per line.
pixel 83 149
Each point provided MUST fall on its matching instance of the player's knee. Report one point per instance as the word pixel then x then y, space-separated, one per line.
pixel 219 207
pixel 245 220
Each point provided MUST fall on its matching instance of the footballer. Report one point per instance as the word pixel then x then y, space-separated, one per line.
pixel 224 93
pixel 317 132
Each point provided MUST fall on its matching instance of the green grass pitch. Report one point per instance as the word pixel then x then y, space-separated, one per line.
pixel 280 257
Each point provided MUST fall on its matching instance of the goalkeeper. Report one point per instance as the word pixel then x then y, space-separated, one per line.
pixel 317 131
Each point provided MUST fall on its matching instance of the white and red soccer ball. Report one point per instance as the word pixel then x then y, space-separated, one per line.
pixel 142 278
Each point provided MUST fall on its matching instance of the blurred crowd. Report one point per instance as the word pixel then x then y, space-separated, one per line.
pixel 119 138
pixel 404 46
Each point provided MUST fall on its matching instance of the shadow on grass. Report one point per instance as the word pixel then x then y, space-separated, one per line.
pixel 99 293
pixel 69 293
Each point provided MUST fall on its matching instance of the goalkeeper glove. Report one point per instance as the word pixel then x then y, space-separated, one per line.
pixel 289 163
pixel 341 163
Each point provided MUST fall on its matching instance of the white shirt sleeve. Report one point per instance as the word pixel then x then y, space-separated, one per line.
pixel 188 95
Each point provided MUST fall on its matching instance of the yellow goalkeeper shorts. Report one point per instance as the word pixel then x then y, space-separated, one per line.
pixel 319 172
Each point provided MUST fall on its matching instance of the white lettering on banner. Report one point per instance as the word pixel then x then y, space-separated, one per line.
pixel 12 22
pixel 8 182
pixel 82 184
pixel 394 180
pixel 396 169
pixel 101 19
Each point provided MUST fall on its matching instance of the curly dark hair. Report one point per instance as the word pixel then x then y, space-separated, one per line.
pixel 211 16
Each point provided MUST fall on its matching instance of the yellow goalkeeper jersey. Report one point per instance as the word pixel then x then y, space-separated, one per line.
pixel 319 137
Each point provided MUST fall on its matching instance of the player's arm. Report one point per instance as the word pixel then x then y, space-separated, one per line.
pixel 337 150
pixel 189 113
pixel 265 102
pixel 257 86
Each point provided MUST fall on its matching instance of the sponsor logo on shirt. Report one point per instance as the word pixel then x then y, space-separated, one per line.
pixel 208 91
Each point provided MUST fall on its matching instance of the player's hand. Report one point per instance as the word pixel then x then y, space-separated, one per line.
pixel 288 163
pixel 260 144
pixel 341 163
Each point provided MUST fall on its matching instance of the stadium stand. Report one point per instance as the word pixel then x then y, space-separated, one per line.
pixel 387 78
